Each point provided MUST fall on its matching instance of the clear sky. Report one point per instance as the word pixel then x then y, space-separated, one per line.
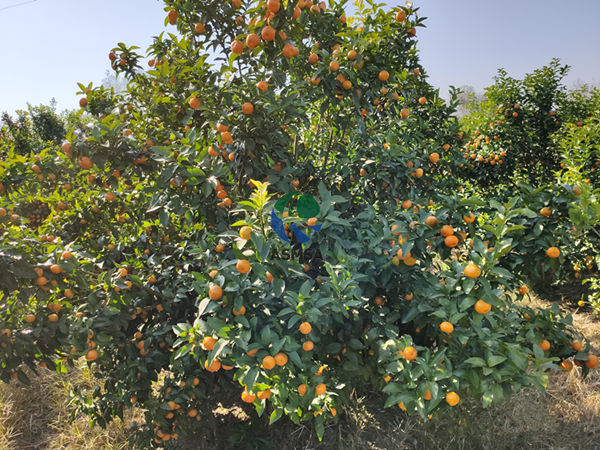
pixel 49 45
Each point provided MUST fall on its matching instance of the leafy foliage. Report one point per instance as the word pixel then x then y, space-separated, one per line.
pixel 156 261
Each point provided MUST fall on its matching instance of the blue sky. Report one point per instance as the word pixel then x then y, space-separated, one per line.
pixel 50 45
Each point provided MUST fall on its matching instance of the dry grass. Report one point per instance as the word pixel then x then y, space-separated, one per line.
pixel 39 416
pixel 567 418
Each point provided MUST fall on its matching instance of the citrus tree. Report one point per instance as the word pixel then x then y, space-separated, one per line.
pixel 271 209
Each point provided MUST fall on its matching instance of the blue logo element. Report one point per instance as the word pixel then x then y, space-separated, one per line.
pixel 306 207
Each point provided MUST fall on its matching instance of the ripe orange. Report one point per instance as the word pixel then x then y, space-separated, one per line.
pixel 243 266
pixel 247 108
pixel 199 27
pixel 302 389
pixel 67 255
pixel 432 221
pixel 434 157
pixel 523 290
pixel 215 292
pixel 209 343
pixel 577 345
pixel 30 318
pixel 308 346
pixel 470 218
pixel 544 345
pixel 592 362
pixel 263 395
pixel 452 398
pixel 482 307
pixel 92 355
pixel 320 389
pixel 281 359
pixel 406 204
pixel 545 211
pixel 446 231
pixel 312 221
pixel 451 241
pixel 262 85
pixel 55 268
pixel 273 6
pixel 237 47
pixel 400 16
pixel 252 41
pixel 194 103
pixel 472 271
pixel 422 100
pixel 213 367
pixel 85 162
pixel 447 327
pixel 53 318
pixel 313 58
pixel 289 51
pixel 172 16
pixel 404 113
pixel 305 328
pixel 239 312
pixel 83 102
pixel 351 55
pixel 427 395
pixel 219 248
pixel 268 362
pixel 66 147
pixel 566 365
pixel 384 75
pixel 269 277
pixel 334 65
pixel 409 353
pixel 268 33
pixel 552 252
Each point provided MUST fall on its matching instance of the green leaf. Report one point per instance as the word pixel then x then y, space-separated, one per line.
pixel 494 360
pixel 275 415
pixel 475 362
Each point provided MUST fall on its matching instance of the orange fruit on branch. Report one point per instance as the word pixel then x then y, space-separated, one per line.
pixel 592 362
pixel 85 162
pixel 409 353
pixel 237 47
pixel 215 292
pixel 268 33
pixel 252 41
pixel 208 343
pixel 305 328
pixel 320 389
pixel 452 398
pixel 447 327
pixel 472 270
pixel 243 266
pixel 268 362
